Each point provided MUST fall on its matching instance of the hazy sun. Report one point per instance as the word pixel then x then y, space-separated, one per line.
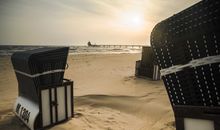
pixel 136 20
pixel 132 20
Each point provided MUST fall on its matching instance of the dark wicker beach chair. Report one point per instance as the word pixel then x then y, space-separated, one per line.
pixel 187 47
pixel 45 98
pixel 147 67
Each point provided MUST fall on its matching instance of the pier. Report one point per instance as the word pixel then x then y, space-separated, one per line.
pixel 118 46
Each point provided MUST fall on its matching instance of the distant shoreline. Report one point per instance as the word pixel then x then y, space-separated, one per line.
pixel 74 50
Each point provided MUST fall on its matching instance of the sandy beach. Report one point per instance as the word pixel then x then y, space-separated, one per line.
pixel 107 96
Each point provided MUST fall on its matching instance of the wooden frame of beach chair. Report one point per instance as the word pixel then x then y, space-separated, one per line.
pixel 55 106
pixel 194 117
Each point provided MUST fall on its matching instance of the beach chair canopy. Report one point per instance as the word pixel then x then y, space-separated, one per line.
pixel 41 67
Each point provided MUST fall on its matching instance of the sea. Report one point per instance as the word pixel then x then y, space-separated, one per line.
pixel 74 50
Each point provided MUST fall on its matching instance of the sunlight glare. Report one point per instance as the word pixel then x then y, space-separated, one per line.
pixel 132 20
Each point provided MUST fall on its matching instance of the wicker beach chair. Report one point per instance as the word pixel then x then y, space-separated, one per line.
pixel 147 67
pixel 187 47
pixel 45 98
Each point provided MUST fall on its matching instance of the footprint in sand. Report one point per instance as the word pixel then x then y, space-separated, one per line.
pixel 169 126
pixel 77 115
pixel 108 128
pixel 129 78
pixel 8 115
pixel 81 110
pixel 110 118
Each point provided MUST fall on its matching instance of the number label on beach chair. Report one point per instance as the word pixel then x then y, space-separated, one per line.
pixel 23 112
pixel 27 111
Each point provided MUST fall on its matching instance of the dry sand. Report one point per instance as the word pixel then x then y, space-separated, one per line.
pixel 107 96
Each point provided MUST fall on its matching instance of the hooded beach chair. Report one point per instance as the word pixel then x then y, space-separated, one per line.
pixel 44 97
pixel 187 47
pixel 147 67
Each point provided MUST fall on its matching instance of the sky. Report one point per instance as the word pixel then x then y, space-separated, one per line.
pixel 75 22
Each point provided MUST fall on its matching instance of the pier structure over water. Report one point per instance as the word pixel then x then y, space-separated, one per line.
pixel 118 46
pixel 115 45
